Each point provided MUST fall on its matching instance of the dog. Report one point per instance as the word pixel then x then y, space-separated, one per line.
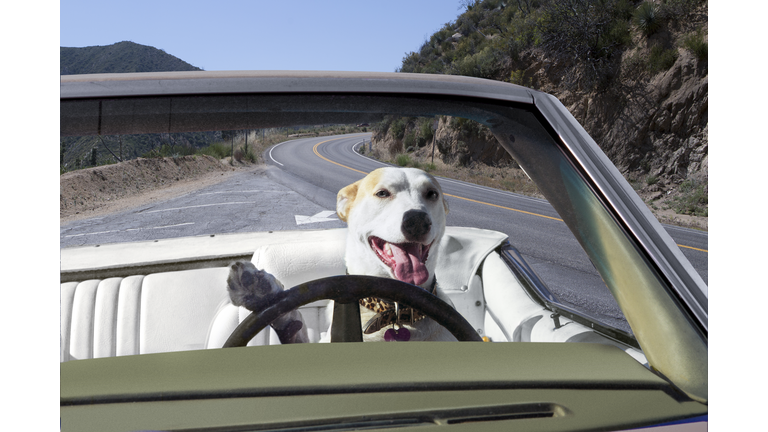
pixel 396 220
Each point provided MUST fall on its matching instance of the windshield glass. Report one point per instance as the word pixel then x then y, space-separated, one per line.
pixel 279 174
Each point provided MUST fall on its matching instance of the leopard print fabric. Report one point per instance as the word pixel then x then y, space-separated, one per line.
pixel 386 315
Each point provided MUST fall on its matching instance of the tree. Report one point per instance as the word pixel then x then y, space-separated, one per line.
pixel 94 156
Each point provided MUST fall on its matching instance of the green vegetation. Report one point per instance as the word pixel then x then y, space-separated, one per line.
pixel 586 37
pixel 117 58
pixel 693 199
pixel 590 34
pixel 217 150
pixel 398 128
pixel 697 45
pixel 647 19
pixel 403 160
pixel 661 59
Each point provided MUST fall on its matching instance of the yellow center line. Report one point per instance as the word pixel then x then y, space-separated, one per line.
pixel 314 149
pixel 505 208
pixel 696 249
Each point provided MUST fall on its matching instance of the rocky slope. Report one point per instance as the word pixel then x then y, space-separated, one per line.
pixel 651 121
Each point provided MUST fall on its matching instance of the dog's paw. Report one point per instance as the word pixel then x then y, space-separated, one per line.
pixel 290 328
pixel 247 285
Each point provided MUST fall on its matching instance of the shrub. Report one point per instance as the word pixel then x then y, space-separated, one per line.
pixel 587 34
pixel 217 150
pixel 397 128
pixel 239 155
pixel 402 160
pixel 466 127
pixel 661 59
pixel 618 34
pixel 518 77
pixel 647 19
pixel 696 44
pixel 250 156
pixel 676 10
pixel 693 199
pixel 410 140
pixel 652 179
pixel 425 132
pixel 483 64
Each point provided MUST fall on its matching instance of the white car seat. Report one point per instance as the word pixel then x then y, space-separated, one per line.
pixel 190 309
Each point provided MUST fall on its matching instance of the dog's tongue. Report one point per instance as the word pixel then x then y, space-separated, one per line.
pixel 409 267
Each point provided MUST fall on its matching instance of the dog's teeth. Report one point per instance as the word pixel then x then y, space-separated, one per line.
pixel 388 249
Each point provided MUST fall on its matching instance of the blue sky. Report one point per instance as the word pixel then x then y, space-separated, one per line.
pixel 263 35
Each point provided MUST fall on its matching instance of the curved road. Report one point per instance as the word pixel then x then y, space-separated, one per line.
pixel 329 163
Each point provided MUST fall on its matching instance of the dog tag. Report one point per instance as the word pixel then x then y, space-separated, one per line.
pixel 401 335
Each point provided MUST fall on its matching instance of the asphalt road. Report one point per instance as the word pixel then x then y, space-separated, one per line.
pixel 247 202
pixel 325 165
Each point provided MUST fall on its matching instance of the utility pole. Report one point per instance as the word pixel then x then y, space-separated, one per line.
pixel 436 122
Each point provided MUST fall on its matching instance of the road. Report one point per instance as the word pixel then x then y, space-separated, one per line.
pixel 532 224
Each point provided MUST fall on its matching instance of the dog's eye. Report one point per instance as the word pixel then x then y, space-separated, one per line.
pixel 383 193
pixel 432 194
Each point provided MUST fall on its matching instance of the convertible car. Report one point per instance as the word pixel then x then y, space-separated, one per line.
pixel 150 341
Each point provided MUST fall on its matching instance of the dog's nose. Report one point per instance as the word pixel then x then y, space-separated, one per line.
pixel 416 224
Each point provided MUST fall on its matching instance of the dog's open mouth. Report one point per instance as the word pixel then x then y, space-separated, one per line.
pixel 407 260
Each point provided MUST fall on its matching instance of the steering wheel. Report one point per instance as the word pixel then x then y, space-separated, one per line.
pixel 347 291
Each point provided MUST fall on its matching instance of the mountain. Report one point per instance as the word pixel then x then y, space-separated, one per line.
pixel 117 58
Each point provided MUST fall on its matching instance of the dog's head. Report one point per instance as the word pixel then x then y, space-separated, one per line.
pixel 396 218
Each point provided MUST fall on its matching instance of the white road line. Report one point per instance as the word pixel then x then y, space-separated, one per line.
pixel 129 229
pixel 200 205
pixel 689 230
pixel 270 153
pixel 242 191
pixel 93 233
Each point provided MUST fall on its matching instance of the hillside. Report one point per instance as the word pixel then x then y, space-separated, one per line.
pixel 117 58
pixel 635 75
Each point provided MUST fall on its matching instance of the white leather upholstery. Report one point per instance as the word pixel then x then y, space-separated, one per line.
pixel 514 317
pixel 190 309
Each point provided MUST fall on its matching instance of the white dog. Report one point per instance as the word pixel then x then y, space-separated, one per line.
pixel 396 219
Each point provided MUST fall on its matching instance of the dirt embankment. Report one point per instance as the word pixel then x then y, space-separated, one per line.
pixel 100 190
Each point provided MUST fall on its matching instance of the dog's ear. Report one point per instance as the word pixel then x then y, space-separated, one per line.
pixel 445 202
pixel 344 200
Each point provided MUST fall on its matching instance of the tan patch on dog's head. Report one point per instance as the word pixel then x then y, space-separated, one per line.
pixel 350 195
pixel 347 196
